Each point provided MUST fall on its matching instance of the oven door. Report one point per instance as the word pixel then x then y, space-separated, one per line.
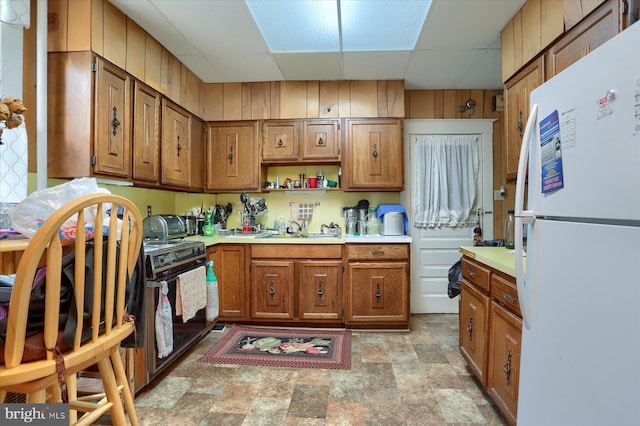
pixel 184 334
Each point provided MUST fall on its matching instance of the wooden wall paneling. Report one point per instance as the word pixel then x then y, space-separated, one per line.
pixel 58 26
pixel 363 98
pixel 136 50
pixel 275 99
pixel 461 99
pixel 438 104
pixel 152 62
pixel 508 65
pixel 517 40
pixel 395 98
pixel 449 104
pixel 97 26
pixel 531 29
pixel 421 104
pixel 193 93
pixel 551 22
pixel 572 13
pixel 115 35
pixel 213 101
pixel 344 99
pixel 293 99
pixel 383 107
pixel 260 100
pixel 313 99
pixel 164 71
pixel 79 31
pixel 232 101
pixel 328 102
pixel 245 101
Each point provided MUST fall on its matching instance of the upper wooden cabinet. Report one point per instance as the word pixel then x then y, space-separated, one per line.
pixel 517 94
pixel 88 132
pixel 598 27
pixel 300 141
pixel 176 145
pixel 232 159
pixel 146 133
pixel 374 155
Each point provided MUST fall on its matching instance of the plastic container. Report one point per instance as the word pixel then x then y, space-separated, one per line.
pixel 213 301
pixel 509 230
pixel 373 224
pixel 313 182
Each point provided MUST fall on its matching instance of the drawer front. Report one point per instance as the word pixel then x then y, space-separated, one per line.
pixel 377 251
pixel 476 273
pixel 296 251
pixel 505 293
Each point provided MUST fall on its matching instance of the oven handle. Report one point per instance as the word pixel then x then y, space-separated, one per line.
pixel 155 284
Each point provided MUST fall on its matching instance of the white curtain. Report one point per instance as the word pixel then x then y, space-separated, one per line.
pixel 446 181
pixel 15 12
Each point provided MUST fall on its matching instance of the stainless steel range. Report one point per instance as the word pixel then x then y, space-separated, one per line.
pixel 166 258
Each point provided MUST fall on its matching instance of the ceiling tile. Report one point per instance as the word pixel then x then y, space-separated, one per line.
pixel 245 68
pixel 486 72
pixel 375 65
pixel 310 66
pixel 442 68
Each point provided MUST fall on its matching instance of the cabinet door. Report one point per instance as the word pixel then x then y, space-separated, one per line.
pixel 280 141
pixel 176 145
pixel 378 292
pixel 374 155
pixel 517 93
pixel 232 157
pixel 272 289
pixel 228 265
pixel 112 132
pixel 504 360
pixel 146 133
pixel 474 320
pixel 321 140
pixel 320 289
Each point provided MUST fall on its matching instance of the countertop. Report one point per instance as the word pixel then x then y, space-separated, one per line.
pixel 498 258
pixel 234 239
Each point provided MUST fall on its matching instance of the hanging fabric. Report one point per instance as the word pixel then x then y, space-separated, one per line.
pixel 446 181
pixel 15 12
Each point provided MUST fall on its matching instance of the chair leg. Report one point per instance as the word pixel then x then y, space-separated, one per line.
pixel 111 390
pixel 37 397
pixel 72 392
pixel 3 395
pixel 116 360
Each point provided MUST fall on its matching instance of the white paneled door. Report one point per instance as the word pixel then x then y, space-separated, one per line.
pixel 435 250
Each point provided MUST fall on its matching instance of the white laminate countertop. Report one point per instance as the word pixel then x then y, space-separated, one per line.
pixel 349 239
pixel 378 239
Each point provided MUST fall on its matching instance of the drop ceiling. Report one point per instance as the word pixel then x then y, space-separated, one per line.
pixel 218 40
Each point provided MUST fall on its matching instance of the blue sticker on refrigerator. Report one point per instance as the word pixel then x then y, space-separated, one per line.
pixel 551 153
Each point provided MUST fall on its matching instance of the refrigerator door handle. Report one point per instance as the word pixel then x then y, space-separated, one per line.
pixel 523 216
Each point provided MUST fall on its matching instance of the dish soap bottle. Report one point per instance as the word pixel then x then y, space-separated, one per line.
pixel 208 229
pixel 213 303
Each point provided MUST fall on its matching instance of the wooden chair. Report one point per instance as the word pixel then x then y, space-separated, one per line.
pixel 105 316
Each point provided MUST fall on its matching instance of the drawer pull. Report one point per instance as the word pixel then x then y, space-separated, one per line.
pixel 115 122
pixel 378 292
pixel 509 297
pixel 470 327
pixel 377 252
pixel 507 367
pixel 272 290
pixel 472 273
pixel 320 292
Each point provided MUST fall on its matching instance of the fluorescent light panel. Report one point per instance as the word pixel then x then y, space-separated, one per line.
pixel 313 25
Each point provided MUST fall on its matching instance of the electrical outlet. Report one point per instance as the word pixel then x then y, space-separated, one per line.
pixel 498 195
pixel 148 210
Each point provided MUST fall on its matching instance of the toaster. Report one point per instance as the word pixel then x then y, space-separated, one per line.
pixel 393 223
pixel 163 227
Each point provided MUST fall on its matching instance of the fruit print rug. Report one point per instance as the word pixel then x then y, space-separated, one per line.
pixel 286 347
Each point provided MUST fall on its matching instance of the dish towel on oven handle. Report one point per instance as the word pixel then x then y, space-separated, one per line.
pixel 191 292
pixel 164 323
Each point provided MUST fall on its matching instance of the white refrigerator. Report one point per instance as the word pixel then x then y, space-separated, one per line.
pixel 579 289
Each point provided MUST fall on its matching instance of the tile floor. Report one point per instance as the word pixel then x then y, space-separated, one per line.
pixel 396 378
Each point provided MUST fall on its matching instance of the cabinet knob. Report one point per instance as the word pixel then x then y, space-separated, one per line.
pixel 375 153
pixel 179 146
pixel 507 367
pixel 230 156
pixel 272 290
pixel 519 123
pixel 320 291
pixel 280 143
pixel 470 327
pixel 320 141
pixel 378 291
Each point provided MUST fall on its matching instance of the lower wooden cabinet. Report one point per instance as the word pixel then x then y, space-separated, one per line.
pixel 504 360
pixel 296 283
pixel 474 330
pixel 378 285
pixel 229 267
pixel 491 331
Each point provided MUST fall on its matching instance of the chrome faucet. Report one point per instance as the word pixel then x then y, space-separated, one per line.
pixel 302 230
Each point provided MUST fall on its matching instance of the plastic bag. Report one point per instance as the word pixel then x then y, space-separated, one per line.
pixel 455 278
pixel 164 323
pixel 27 216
